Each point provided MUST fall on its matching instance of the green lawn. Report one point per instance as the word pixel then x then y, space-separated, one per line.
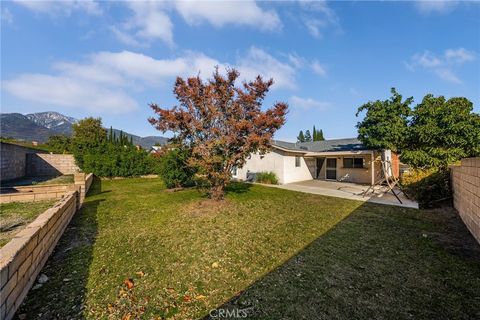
pixel 16 215
pixel 270 252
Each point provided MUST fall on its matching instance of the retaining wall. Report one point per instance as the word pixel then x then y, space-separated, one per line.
pixel 24 256
pixel 13 160
pixel 466 193
pixel 50 164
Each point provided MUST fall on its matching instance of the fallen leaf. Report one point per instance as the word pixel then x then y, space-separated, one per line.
pixel 128 283
pixel 215 265
pixel 140 273
pixel 127 316
pixel 200 297
pixel 187 298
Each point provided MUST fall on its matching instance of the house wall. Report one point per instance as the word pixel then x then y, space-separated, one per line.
pixel 355 175
pixel 294 174
pixel 271 161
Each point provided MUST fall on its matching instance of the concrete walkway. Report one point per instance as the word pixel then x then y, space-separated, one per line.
pixel 350 191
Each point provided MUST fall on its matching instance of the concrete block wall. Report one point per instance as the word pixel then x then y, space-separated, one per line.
pixel 13 160
pixel 50 164
pixel 466 193
pixel 24 256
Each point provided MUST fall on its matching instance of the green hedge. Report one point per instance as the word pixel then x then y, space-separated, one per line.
pixel 430 188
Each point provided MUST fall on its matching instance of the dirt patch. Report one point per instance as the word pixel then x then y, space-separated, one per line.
pixel 207 207
pixel 455 237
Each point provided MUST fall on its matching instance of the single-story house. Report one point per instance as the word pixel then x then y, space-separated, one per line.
pixel 339 159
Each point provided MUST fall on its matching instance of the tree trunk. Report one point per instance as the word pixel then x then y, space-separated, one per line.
pixel 217 191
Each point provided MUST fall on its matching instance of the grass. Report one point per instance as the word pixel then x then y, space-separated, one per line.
pixel 15 216
pixel 270 252
pixel 40 180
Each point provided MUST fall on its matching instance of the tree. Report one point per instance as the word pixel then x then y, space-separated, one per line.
pixel 385 125
pixel 301 137
pixel 320 135
pixel 220 123
pixel 173 167
pixel 88 134
pixel 441 132
pixel 59 144
pixel 308 136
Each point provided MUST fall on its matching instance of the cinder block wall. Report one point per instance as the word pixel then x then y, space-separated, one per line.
pixel 50 164
pixel 13 159
pixel 24 256
pixel 466 193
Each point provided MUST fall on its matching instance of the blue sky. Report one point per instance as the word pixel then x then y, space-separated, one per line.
pixel 110 59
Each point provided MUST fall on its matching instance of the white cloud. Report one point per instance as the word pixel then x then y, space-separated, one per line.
pixel 307 103
pixel 318 17
pixel 69 92
pixel 442 65
pixel 219 13
pixel 64 7
pixel 104 82
pixel 150 20
pixel 438 6
pixel 319 69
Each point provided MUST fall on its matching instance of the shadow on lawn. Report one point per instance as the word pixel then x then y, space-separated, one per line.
pixel 376 263
pixel 67 269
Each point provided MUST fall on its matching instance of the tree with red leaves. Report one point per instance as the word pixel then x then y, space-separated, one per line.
pixel 220 123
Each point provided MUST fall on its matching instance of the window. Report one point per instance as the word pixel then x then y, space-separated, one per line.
pixel 353 162
pixel 234 171
pixel 297 161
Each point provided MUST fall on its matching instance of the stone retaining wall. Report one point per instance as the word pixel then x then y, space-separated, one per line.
pixel 13 160
pixel 24 256
pixel 50 164
pixel 466 193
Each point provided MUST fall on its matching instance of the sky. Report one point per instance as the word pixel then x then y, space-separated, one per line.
pixel 112 59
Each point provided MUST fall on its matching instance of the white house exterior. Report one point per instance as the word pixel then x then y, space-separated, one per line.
pixel 340 160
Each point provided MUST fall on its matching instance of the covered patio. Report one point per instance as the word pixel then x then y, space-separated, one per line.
pixel 350 191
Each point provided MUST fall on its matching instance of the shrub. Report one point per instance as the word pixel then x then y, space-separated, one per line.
pixel 174 170
pixel 429 187
pixel 266 177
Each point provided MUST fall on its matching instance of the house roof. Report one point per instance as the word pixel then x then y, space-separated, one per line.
pixel 334 145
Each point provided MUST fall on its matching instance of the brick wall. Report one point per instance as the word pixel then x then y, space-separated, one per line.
pixel 24 256
pixel 13 160
pixel 50 164
pixel 466 193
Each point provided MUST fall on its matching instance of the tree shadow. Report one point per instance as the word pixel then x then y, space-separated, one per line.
pixel 67 269
pixel 237 187
pixel 379 262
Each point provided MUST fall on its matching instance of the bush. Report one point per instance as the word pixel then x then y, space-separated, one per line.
pixel 266 177
pixel 430 188
pixel 174 170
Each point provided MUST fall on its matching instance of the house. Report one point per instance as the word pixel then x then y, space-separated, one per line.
pixel 339 159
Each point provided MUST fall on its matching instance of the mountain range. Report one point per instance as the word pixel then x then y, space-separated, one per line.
pixel 41 125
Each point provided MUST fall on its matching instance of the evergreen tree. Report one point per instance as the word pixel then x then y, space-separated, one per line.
pixel 308 136
pixel 320 135
pixel 301 137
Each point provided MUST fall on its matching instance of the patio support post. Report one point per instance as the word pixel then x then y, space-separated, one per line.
pixel 372 161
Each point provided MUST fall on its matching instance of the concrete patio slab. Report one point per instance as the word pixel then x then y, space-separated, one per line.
pixel 350 191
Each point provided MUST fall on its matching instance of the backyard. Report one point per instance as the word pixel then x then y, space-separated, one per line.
pixel 137 250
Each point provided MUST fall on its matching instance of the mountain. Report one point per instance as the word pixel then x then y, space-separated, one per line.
pixel 54 121
pixel 40 126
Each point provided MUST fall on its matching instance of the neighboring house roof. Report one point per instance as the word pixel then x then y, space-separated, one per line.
pixel 334 145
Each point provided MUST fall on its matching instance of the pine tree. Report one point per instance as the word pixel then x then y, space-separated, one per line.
pixel 301 137
pixel 314 134
pixel 308 136
pixel 320 135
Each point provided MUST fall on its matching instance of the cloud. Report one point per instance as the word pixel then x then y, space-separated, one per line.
pixel 438 6
pixel 442 65
pixel 150 20
pixel 105 81
pixel 319 69
pixel 307 103
pixel 68 92
pixel 64 7
pixel 318 17
pixel 219 13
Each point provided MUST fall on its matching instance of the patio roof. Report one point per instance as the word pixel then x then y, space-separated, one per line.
pixel 334 145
